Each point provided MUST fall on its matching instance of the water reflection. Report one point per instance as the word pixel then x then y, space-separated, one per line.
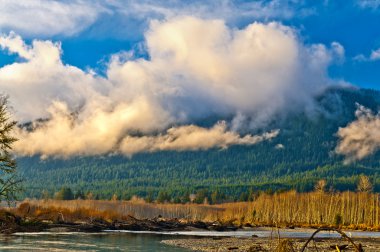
pixel 137 241
pixel 285 233
pixel 84 242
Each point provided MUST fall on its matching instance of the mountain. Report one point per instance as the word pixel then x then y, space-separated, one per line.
pixel 299 156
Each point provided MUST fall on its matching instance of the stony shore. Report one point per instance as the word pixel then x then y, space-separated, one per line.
pixel 219 244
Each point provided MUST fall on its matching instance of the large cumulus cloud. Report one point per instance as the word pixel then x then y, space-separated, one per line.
pixel 196 68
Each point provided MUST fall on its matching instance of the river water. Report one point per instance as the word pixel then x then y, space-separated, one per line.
pixel 284 233
pixel 85 242
pixel 138 241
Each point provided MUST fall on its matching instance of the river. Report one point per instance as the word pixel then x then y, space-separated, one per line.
pixel 138 241
pixel 62 242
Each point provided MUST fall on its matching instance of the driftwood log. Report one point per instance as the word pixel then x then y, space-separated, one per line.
pixel 358 248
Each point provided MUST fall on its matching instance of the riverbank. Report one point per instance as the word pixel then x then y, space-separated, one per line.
pixel 12 223
pixel 256 238
pixel 257 244
pixel 96 216
pixel 240 214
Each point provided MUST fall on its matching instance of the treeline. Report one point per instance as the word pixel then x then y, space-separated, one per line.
pixel 201 196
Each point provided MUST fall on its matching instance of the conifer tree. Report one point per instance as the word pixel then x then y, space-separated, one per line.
pixel 9 182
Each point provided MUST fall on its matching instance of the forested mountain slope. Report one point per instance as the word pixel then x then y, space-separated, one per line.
pixel 300 155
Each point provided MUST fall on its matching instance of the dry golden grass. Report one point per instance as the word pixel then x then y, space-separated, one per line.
pixel 285 245
pixel 349 209
pixel 113 210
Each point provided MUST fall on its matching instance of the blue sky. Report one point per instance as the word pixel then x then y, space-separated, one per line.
pixel 108 27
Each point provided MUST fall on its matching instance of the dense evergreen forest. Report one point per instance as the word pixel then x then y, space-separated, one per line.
pixel 302 154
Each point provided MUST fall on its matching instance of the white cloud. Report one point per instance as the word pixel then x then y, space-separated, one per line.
pixel 361 137
pixel 136 15
pixel 338 52
pixel 14 44
pixel 197 68
pixel 279 146
pixel 191 137
pixel 42 78
pixel 97 130
pixel 104 133
pixel 227 9
pixel 375 55
pixel 371 4
pixel 360 58
pixel 44 18
pixel 47 17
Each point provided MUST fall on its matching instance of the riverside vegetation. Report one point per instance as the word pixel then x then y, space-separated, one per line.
pixel 318 209
pixel 351 210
